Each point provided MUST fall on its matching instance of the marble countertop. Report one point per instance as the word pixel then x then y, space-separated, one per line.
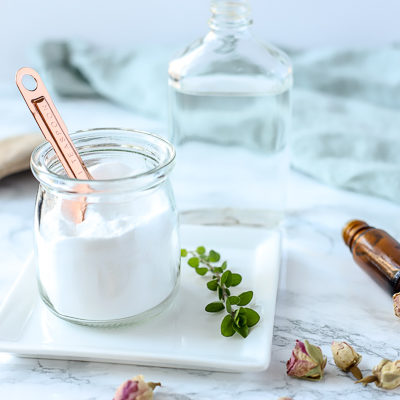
pixel 323 296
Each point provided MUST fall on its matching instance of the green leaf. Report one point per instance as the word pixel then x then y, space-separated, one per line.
pixel 245 298
pixel 224 265
pixel 201 250
pixel 220 293
pixel 242 331
pixel 184 253
pixel 225 276
pixel 194 262
pixel 229 279
pixel 236 279
pixel 215 306
pixel 212 285
pixel 228 305
pixel 227 291
pixel 252 317
pixel 214 256
pixel 227 326
pixel 218 270
pixel 201 270
pixel 241 319
pixel 234 299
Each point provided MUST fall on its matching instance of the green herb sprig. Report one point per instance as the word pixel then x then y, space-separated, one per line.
pixel 238 319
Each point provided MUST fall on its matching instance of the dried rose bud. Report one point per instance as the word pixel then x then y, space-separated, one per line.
pixel 285 398
pixel 385 375
pixel 396 304
pixel 346 358
pixel 136 389
pixel 306 362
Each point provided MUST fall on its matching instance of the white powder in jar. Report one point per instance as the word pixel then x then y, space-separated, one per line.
pixel 122 260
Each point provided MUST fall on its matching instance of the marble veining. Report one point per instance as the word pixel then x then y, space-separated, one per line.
pixel 323 296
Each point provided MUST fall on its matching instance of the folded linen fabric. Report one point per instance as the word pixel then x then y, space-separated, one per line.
pixel 346 122
pixel 135 79
pixel 347 143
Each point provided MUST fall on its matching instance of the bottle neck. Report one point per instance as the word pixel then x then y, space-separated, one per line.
pixel 352 230
pixel 229 15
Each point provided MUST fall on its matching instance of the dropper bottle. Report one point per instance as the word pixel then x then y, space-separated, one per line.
pixel 376 252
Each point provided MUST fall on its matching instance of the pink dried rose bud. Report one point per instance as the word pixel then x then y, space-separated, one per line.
pixel 396 304
pixel 136 389
pixel 346 358
pixel 386 375
pixel 306 362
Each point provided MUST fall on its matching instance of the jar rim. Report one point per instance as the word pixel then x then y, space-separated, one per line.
pixel 46 176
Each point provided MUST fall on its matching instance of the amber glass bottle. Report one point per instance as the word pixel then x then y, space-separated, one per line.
pixel 376 252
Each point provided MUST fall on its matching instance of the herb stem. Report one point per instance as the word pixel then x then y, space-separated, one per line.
pixel 217 275
pixel 237 320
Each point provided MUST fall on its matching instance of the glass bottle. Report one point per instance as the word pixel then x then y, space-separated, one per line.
pixel 229 113
pixel 376 252
pixel 122 262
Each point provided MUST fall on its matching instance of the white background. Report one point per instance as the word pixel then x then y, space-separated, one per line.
pixel 296 23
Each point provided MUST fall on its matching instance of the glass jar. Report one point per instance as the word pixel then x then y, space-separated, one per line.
pixel 122 262
pixel 229 110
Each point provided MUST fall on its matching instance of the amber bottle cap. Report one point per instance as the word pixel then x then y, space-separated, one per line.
pixel 351 229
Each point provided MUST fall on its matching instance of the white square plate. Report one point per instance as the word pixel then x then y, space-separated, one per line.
pixel 182 336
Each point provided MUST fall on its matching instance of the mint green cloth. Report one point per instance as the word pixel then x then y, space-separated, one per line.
pixel 346 125
pixel 136 79
pixel 346 104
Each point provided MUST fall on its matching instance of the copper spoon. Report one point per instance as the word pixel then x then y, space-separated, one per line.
pixel 56 133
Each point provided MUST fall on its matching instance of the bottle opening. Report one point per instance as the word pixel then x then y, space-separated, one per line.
pixel 351 229
pixel 230 14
